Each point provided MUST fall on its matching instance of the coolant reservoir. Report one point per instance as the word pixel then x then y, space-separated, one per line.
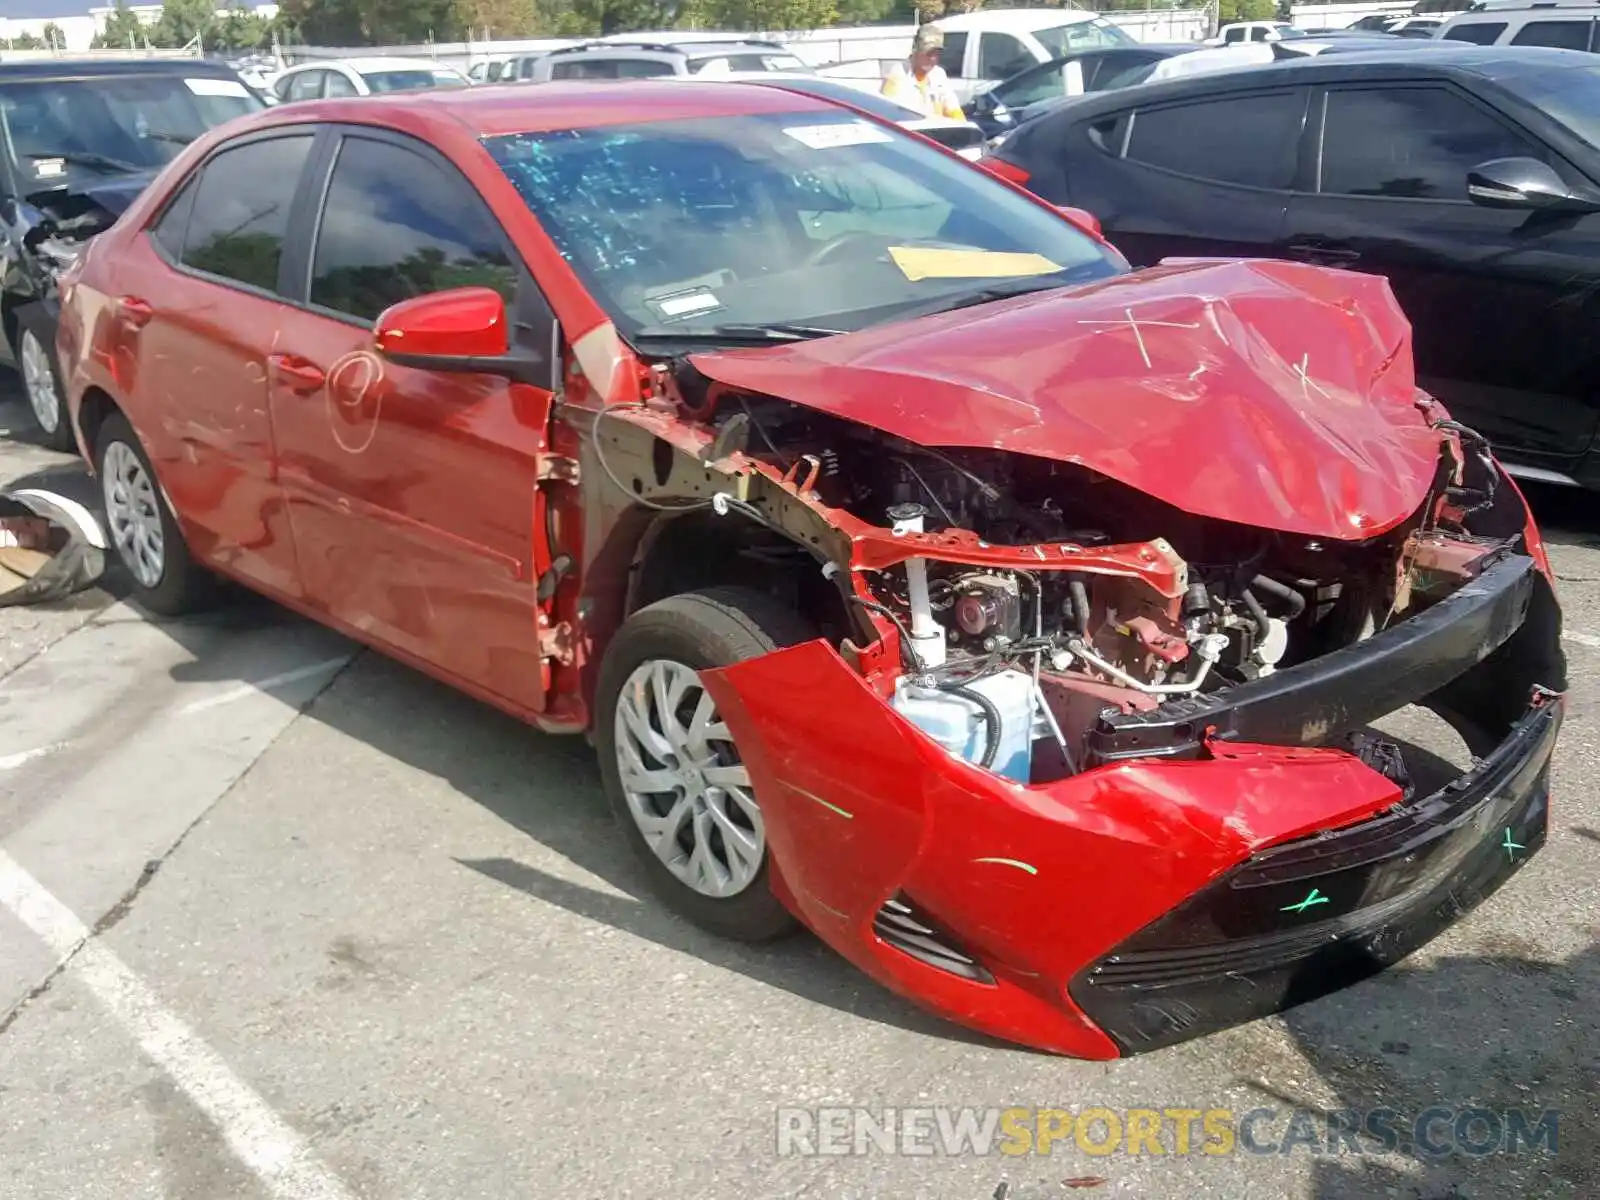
pixel 958 723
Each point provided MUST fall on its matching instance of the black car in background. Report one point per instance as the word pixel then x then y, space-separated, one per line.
pixel 78 141
pixel 1469 177
pixel 1086 71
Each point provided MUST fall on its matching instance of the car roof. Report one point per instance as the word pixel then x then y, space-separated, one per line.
pixel 82 68
pixel 496 109
pixel 1014 20
pixel 1442 60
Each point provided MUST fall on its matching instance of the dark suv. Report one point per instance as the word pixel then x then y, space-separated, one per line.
pixel 78 141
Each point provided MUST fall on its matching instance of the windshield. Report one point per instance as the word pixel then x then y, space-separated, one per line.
pixel 1570 96
pixel 1092 34
pixel 58 130
pixel 410 80
pixel 807 219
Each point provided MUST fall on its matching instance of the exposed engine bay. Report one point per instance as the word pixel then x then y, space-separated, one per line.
pixel 1048 647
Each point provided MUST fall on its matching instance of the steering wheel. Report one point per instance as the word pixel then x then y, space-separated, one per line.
pixel 834 244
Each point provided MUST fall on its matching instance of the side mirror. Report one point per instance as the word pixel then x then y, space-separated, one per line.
pixel 463 330
pixel 1524 183
pixel 1083 219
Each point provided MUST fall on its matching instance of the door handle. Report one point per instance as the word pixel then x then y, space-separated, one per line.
pixel 300 375
pixel 1327 256
pixel 134 312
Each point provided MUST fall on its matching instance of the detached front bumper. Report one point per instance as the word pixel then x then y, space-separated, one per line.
pixel 1157 896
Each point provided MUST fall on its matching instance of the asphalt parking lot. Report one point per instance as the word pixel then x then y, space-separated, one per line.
pixel 332 930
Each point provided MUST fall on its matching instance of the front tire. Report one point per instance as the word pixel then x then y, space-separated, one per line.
pixel 41 382
pixel 670 767
pixel 142 528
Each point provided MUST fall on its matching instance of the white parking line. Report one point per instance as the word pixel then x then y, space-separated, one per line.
pixel 1581 639
pixel 263 685
pixel 263 1142
pixel 10 762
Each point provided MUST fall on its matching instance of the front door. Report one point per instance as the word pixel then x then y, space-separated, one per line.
pixel 1503 303
pixel 411 492
pixel 197 308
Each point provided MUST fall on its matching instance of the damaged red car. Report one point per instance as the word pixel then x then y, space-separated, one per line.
pixel 1013 621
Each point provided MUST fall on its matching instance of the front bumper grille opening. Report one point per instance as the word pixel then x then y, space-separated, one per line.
pixel 901 925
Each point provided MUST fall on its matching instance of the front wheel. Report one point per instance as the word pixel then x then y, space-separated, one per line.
pixel 669 764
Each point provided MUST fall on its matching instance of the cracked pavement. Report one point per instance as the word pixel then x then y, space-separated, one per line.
pixel 405 927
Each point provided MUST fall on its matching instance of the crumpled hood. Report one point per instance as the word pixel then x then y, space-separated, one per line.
pixel 1267 393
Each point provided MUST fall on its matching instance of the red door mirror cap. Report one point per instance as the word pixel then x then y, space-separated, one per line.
pixel 462 323
pixel 1082 218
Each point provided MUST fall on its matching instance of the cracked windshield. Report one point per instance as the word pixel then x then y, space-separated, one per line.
pixel 785 224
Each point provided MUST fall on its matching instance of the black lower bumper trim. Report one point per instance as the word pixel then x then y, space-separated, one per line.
pixel 1311 916
pixel 1309 703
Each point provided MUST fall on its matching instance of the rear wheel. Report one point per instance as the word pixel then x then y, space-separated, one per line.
pixel 142 528
pixel 670 766
pixel 37 363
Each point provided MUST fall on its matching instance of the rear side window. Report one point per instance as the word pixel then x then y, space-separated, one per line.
pixel 168 231
pixel 1409 142
pixel 338 85
pixel 1248 141
pixel 1482 33
pixel 395 226
pixel 305 86
pixel 1563 35
pixel 240 212
pixel 604 68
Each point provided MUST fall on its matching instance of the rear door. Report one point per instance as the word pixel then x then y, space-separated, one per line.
pixel 1198 177
pixel 412 492
pixel 1502 302
pixel 200 304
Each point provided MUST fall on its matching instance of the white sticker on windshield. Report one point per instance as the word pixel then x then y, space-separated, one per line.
pixel 49 168
pixel 838 133
pixel 685 303
pixel 217 87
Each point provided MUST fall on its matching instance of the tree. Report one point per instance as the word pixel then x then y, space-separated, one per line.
pixel 123 29
pixel 182 21
pixel 26 41
pixel 53 37
pixel 770 15
pixel 369 22
pixel 1245 10
pixel 502 18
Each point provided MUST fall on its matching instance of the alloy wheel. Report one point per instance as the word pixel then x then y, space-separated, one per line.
pixel 686 787
pixel 133 511
pixel 39 381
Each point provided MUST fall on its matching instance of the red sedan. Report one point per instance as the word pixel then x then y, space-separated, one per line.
pixel 1012 620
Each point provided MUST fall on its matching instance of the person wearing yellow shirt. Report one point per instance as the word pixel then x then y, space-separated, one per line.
pixel 920 82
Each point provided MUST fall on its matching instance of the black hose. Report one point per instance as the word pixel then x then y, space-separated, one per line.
pixel 908 648
pixel 1263 625
pixel 1282 591
pixel 991 720
pixel 1080 605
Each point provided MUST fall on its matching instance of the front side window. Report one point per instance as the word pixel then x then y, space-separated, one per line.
pixel 1411 142
pixel 66 130
pixel 1248 141
pixel 241 210
pixel 395 226
pixel 811 217
pixel 1000 56
pixel 307 85
pixel 954 58
pixel 1563 35
pixel 1094 34
pixel 1481 33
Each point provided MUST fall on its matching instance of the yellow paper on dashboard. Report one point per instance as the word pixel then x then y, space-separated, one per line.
pixel 938 262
